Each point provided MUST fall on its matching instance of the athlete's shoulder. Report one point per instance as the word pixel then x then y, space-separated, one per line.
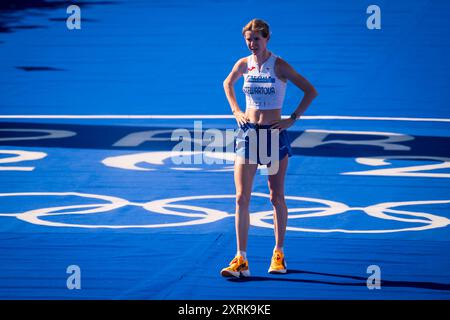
pixel 241 64
pixel 243 60
pixel 282 68
pixel 281 62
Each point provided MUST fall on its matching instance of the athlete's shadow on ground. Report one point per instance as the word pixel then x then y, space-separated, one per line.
pixel 360 281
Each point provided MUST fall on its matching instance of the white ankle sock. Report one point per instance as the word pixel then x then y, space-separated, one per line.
pixel 242 253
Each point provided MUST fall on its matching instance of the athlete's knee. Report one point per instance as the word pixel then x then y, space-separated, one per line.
pixel 277 198
pixel 242 199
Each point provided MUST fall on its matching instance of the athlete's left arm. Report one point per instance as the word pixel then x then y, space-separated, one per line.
pixel 287 72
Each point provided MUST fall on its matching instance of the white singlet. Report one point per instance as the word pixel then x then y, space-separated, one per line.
pixel 263 89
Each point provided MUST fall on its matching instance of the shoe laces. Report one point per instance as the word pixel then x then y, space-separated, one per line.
pixel 234 261
pixel 277 257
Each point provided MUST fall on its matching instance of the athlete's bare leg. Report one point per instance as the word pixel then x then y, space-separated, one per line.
pixel 243 179
pixel 276 187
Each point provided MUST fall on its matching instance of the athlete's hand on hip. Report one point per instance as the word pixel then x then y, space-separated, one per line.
pixel 282 124
pixel 241 118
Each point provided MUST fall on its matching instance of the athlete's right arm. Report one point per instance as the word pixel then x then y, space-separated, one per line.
pixel 228 86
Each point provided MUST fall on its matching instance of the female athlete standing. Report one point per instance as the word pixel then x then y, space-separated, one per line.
pixel 265 78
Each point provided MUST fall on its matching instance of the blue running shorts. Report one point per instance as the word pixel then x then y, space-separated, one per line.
pixel 254 142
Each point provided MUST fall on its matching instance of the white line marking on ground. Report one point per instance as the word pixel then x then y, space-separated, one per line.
pixel 172 117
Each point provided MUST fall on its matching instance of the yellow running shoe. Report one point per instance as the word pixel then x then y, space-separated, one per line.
pixel 278 263
pixel 238 266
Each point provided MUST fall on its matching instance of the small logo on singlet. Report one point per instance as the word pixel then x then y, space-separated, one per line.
pixel 250 69
pixel 260 79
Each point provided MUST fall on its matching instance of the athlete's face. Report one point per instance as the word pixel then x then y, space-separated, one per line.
pixel 255 41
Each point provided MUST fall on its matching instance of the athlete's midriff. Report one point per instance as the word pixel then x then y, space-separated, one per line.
pixel 263 116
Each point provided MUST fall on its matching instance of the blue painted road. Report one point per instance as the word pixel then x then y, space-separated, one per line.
pixel 88 177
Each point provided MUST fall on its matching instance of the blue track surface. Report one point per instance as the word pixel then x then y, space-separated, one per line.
pixel 368 185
